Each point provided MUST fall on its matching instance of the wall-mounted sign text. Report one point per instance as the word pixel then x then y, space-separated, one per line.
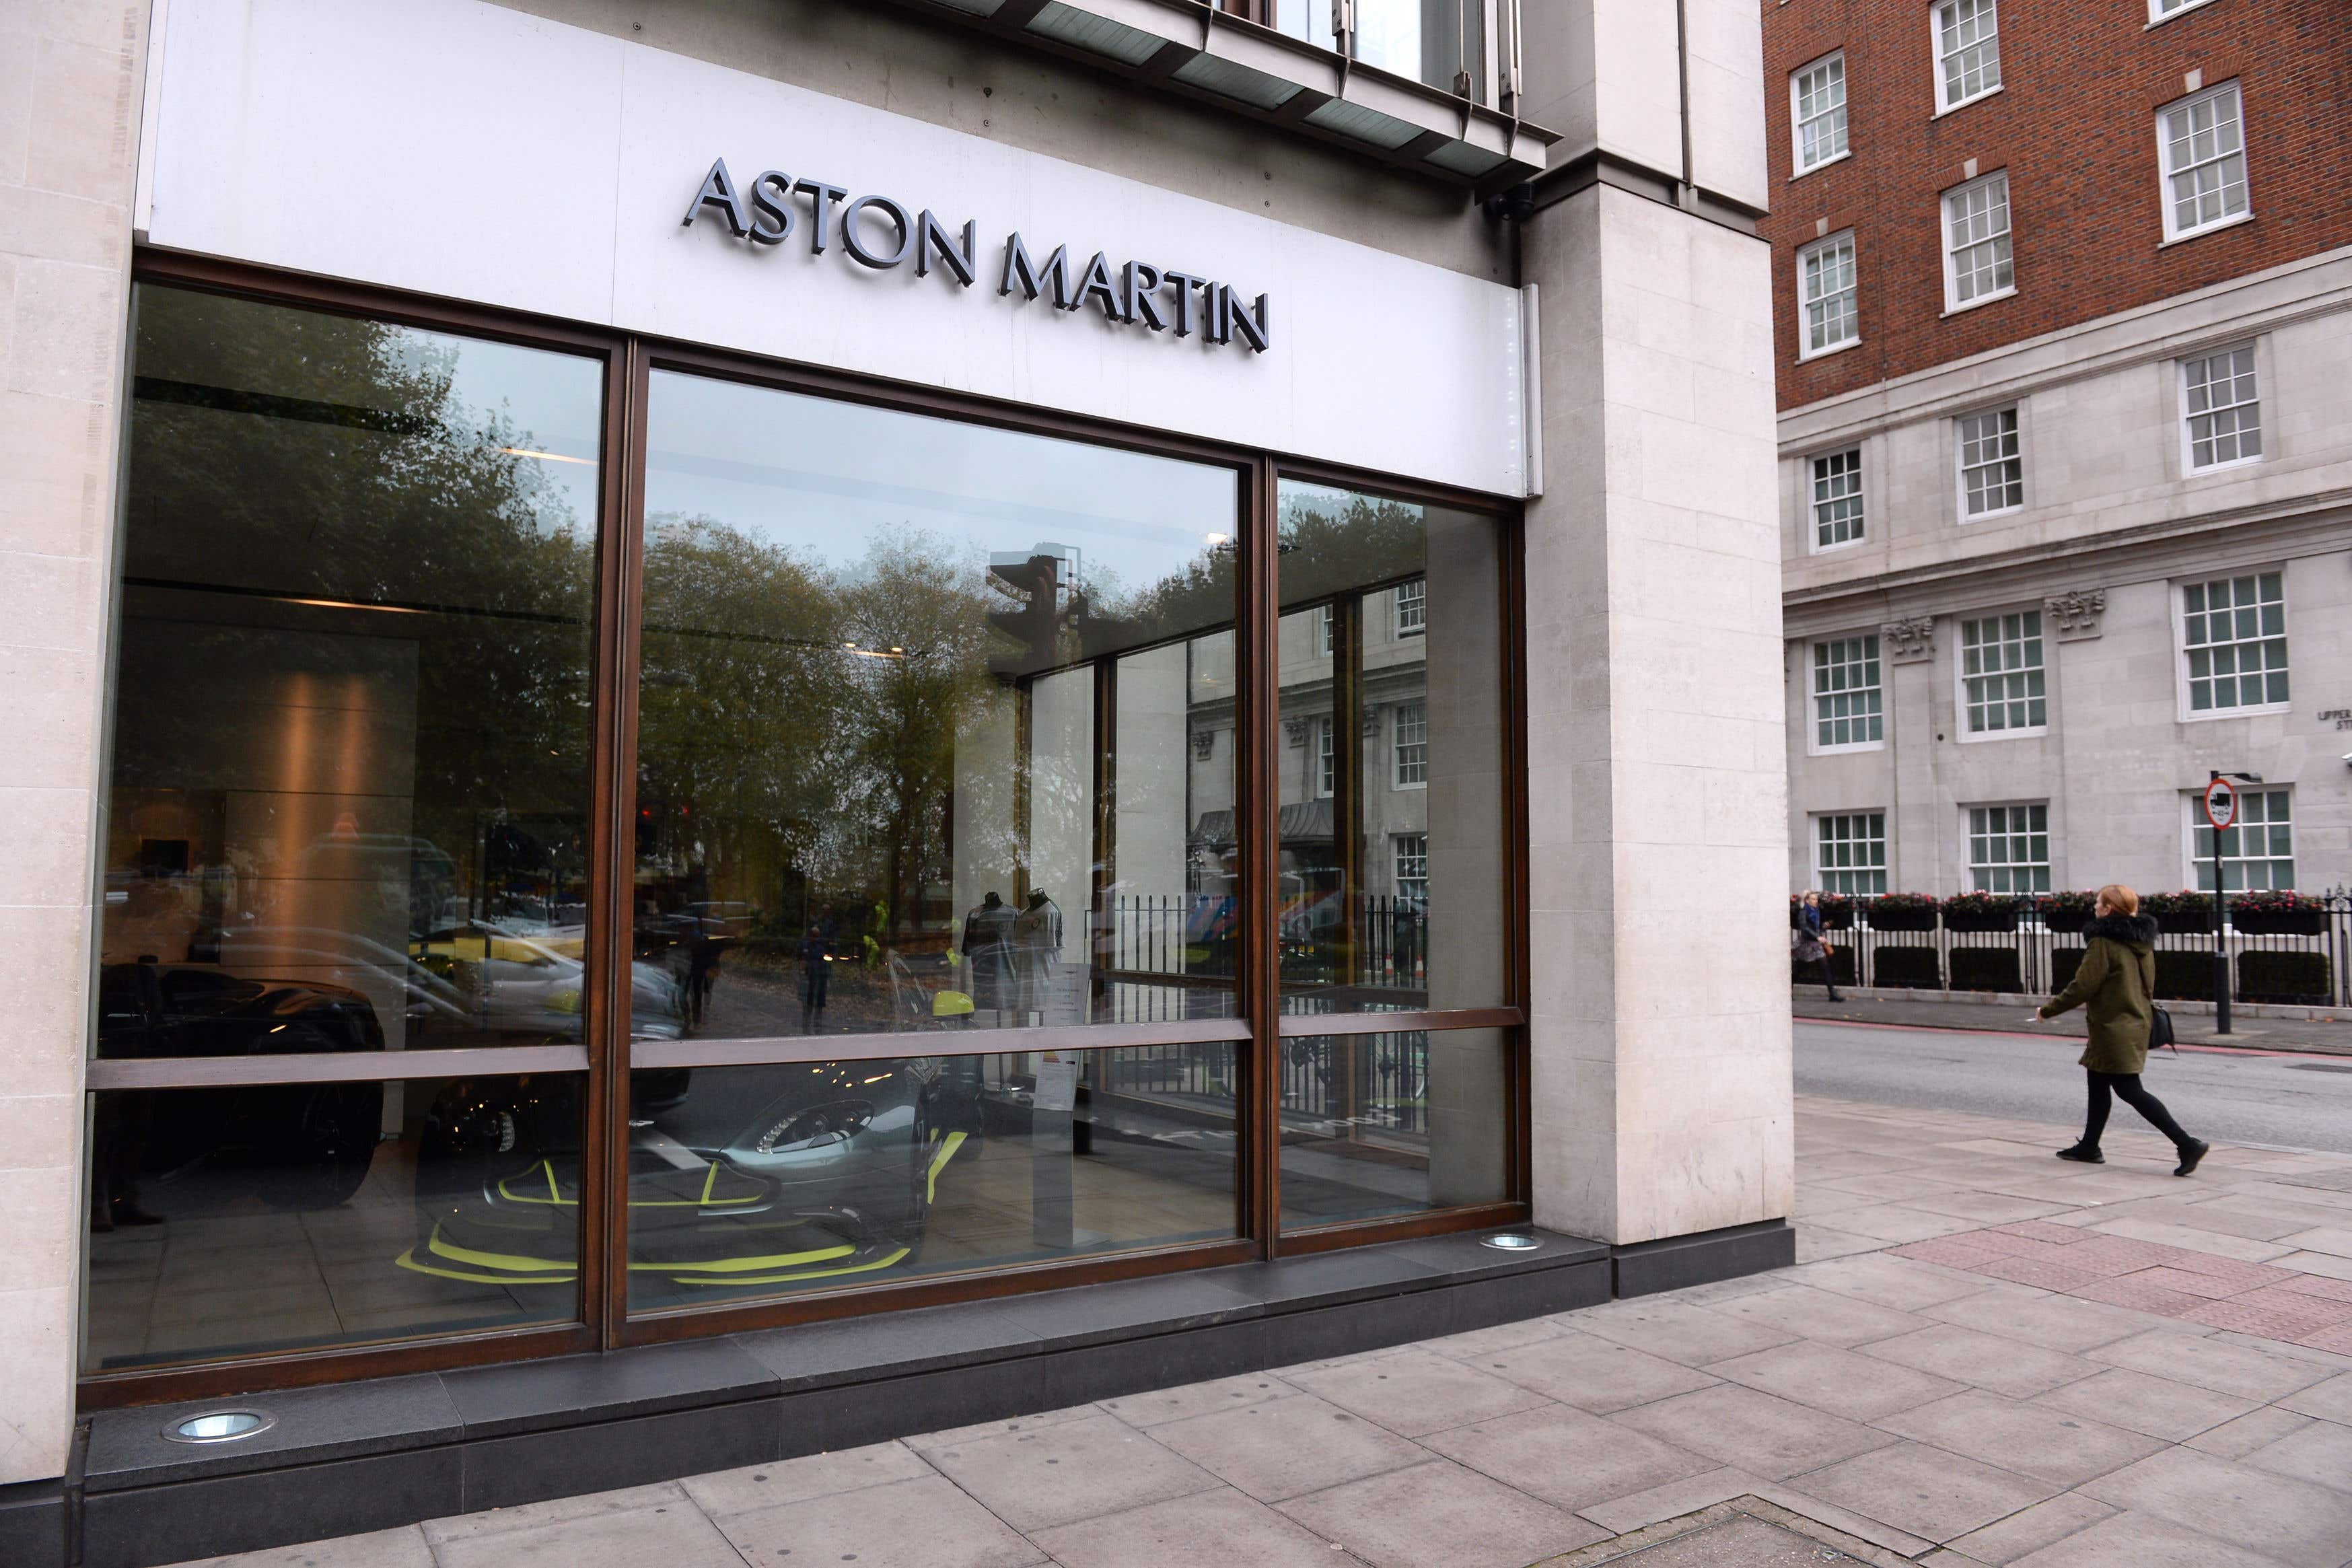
pixel 881 233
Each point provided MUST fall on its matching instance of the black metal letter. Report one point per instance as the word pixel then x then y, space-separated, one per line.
pixel 963 262
pixel 820 232
pixel 1096 284
pixel 879 260
pixel 718 191
pixel 1019 269
pixel 1257 333
pixel 1185 283
pixel 776 209
pixel 1142 282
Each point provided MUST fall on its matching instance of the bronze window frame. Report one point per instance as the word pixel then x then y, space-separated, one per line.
pixel 607 1055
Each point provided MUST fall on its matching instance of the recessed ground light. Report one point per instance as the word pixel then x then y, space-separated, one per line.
pixel 1510 1241
pixel 219 1426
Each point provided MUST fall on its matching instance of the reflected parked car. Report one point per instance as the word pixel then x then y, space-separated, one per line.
pixel 313 1141
pixel 748 1176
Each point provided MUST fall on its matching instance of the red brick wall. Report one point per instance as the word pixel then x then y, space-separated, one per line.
pixel 2074 124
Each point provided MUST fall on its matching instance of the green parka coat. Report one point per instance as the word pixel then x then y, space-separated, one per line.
pixel 2116 986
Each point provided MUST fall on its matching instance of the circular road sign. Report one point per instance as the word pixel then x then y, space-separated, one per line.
pixel 2222 805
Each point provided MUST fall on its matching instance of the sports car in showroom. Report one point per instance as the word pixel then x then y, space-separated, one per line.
pixel 739 1179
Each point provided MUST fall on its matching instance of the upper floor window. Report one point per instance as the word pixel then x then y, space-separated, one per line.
pixel 1992 465
pixel 1977 265
pixel 1967 51
pixel 2233 633
pixel 1848 702
pixel 2223 415
pixel 1825 289
pixel 1850 853
pixel 1817 103
pixel 1411 745
pixel 2002 674
pixel 2165 10
pixel 2202 143
pixel 1411 866
pixel 1412 608
pixel 1327 758
pixel 1837 499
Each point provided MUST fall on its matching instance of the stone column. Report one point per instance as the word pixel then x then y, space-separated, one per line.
pixel 69 99
pixel 1657 775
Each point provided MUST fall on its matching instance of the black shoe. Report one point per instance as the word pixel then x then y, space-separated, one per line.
pixel 2190 1157
pixel 2083 1156
pixel 1836 997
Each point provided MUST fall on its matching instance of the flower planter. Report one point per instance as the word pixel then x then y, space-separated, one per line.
pixel 2185 922
pixel 1900 919
pixel 2065 923
pixel 2279 922
pixel 2002 919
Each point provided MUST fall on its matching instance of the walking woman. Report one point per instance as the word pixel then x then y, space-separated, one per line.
pixel 2115 987
pixel 1809 946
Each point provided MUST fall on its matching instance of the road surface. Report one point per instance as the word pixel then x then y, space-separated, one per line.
pixel 2285 1101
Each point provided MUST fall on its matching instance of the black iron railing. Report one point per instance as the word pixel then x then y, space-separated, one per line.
pixel 2295 957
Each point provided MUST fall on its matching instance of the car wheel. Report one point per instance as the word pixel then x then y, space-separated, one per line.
pixel 329 1147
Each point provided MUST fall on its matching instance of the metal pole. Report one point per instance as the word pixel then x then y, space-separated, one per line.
pixel 2220 924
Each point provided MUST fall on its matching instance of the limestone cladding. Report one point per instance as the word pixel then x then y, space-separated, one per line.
pixel 70 100
pixel 2115 522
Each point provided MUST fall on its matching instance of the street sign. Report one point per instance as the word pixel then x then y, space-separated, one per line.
pixel 2222 805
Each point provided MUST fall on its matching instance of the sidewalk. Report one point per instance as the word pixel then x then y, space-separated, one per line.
pixel 1984 1356
pixel 2263 1030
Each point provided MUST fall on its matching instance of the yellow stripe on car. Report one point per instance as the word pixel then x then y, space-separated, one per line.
pixel 939 1162
pixel 409 1260
pixel 743 1265
pixel 804 1274
pixel 515 1262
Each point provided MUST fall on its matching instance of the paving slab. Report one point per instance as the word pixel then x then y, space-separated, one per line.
pixel 2053 1323
pixel 2048 1445
pixel 2211 1363
pixel 2297 1523
pixel 1672 1501
pixel 1165 1405
pixel 926 1522
pixel 792 1480
pixel 2029 1530
pixel 660 1497
pixel 1759 1432
pixel 2236 1440
pixel 2142 1541
pixel 1886 1280
pixel 2331 1400
pixel 2007 1367
pixel 1220 1526
pixel 1931 1493
pixel 2153 1406
pixel 2320 1452
pixel 1439 1515
pixel 673 1534
pixel 1288 1447
pixel 1568 1458
pixel 1419 1392
pixel 1692 1336
pixel 402 1548
pixel 1839 1382
pixel 1593 1373
pixel 1824 1315
pixel 1063 1471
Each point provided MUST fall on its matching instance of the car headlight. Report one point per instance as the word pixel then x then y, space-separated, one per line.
pixel 816 1127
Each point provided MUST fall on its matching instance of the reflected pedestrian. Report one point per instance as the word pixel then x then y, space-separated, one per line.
pixel 2116 988
pixel 1810 944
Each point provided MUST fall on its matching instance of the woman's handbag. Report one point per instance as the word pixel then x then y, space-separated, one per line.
pixel 2159 1031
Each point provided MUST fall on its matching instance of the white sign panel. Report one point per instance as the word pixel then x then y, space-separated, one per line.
pixel 460 149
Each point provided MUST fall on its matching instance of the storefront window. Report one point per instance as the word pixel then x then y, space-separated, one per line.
pixel 928 745
pixel 1393 852
pixel 928 920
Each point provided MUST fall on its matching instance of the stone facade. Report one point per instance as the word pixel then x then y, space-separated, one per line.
pixel 2111 532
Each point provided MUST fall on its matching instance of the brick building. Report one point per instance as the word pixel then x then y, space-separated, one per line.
pixel 2064 306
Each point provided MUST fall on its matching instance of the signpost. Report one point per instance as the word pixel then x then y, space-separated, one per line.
pixel 2221 810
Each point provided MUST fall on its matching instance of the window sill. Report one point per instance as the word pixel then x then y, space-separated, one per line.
pixel 1969 740
pixel 2177 13
pixel 2214 227
pixel 1841 544
pixel 1969 518
pixel 2266 710
pixel 1993 91
pixel 1817 168
pixel 2230 467
pixel 1834 349
pixel 1846 751
pixel 1981 300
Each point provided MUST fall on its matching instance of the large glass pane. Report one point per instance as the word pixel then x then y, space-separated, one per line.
pixel 767 1180
pixel 936 722
pixel 350 765
pixel 1374 1125
pixel 1394 853
pixel 296 1217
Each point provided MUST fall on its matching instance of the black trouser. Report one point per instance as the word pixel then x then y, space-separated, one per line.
pixel 2106 1086
pixel 1829 977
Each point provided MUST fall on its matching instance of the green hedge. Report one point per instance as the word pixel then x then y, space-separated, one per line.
pixel 1986 969
pixel 1907 969
pixel 2284 977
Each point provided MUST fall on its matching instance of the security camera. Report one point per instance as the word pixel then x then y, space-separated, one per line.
pixel 2347 759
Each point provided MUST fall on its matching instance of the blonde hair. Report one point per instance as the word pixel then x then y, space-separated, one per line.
pixel 2120 899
